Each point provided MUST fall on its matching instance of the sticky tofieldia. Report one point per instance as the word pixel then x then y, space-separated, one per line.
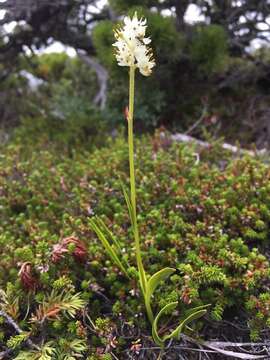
pixel 132 50
pixel 131 45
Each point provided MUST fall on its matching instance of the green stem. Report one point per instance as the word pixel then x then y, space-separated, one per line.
pixel 149 311
pixel 142 276
pixel 130 137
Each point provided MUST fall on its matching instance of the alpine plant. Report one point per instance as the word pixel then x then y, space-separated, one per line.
pixel 132 50
pixel 132 46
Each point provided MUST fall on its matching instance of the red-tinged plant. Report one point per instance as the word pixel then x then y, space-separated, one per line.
pixel 27 278
pixel 79 253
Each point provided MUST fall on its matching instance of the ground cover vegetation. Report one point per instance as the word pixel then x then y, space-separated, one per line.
pixel 209 219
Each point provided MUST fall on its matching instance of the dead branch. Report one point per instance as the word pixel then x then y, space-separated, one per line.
pixel 16 327
pixel 102 77
pixel 233 149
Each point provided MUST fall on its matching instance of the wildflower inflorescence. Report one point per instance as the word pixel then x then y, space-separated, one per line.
pixel 131 44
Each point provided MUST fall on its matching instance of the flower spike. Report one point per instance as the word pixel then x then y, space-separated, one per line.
pixel 132 45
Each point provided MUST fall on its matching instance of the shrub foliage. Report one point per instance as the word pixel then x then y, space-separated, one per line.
pixel 208 218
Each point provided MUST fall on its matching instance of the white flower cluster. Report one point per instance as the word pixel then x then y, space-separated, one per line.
pixel 131 45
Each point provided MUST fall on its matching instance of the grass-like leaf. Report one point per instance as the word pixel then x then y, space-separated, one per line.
pixel 94 224
pixel 129 206
pixel 110 236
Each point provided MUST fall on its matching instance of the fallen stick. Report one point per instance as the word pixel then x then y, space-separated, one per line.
pixel 220 348
pixel 16 327
pixel 234 149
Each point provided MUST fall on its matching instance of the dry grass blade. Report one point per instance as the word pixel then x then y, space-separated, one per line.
pixel 235 355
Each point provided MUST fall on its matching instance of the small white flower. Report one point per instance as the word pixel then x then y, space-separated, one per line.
pixel 146 41
pixel 131 45
pixel 146 67
pixel 135 27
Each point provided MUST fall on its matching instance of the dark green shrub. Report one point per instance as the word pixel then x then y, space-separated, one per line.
pixel 103 39
pixel 123 6
pixel 209 48
pixel 51 66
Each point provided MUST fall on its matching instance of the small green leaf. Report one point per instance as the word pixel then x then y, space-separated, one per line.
pixel 167 308
pixel 151 286
pixel 156 279
pixel 194 314
pixel 197 308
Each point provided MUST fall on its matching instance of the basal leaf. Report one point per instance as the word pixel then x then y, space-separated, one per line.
pixel 167 308
pixel 111 252
pixel 151 286
pixel 156 279
pixel 195 314
pixel 177 332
